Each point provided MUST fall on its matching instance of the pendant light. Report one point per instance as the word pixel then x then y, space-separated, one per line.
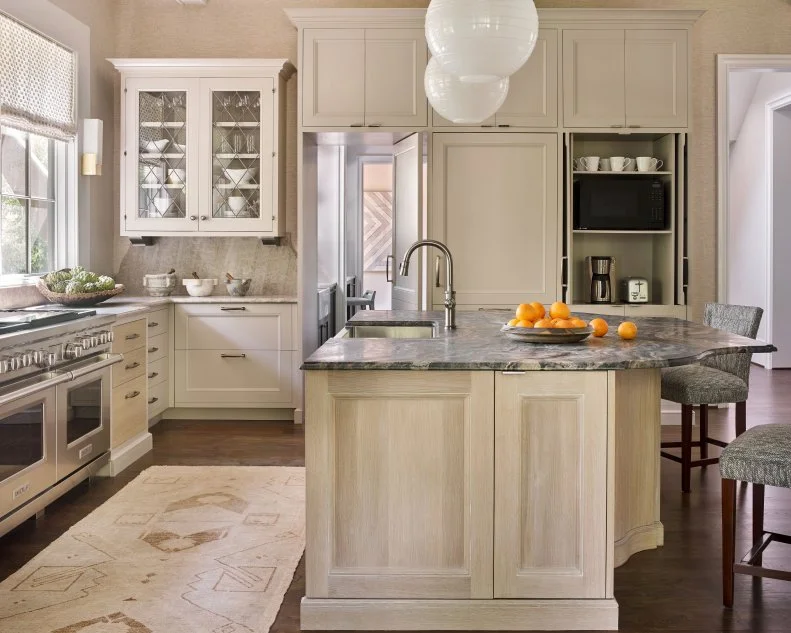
pixel 481 40
pixel 460 102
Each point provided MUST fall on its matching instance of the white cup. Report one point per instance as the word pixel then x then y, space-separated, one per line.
pixel 588 163
pixel 631 165
pixel 620 163
pixel 647 163
pixel 604 165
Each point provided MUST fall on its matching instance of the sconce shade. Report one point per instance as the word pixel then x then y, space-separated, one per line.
pixel 92 137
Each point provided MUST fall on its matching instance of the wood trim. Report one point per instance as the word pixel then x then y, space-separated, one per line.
pixel 639 539
pixel 282 67
pixel 459 615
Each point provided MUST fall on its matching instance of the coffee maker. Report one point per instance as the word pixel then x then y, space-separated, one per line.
pixel 600 271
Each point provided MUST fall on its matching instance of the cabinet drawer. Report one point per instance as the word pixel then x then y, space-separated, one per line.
pixel 133 365
pixel 157 399
pixel 234 327
pixel 232 377
pixel 158 322
pixel 157 347
pixel 616 310
pixel 129 336
pixel 129 414
pixel 157 371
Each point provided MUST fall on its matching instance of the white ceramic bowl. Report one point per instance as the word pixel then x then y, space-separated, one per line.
pixel 156 147
pixel 161 285
pixel 176 176
pixel 153 174
pixel 237 203
pixel 199 287
pixel 162 205
pixel 240 176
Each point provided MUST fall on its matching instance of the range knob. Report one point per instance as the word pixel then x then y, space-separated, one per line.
pixel 72 351
pixel 39 356
pixel 85 342
pixel 5 365
pixel 51 359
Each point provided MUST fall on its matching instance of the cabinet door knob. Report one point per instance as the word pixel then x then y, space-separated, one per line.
pixel 357 125
pixel 203 218
pixel 193 217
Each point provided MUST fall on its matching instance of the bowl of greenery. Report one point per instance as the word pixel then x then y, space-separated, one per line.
pixel 78 287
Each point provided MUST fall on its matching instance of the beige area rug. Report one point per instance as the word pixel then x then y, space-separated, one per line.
pixel 181 549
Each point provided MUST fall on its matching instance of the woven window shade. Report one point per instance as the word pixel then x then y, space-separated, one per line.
pixel 37 82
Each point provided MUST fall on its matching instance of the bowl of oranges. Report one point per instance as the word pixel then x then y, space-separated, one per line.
pixel 532 324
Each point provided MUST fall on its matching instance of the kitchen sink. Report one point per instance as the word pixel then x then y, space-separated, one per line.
pixel 412 331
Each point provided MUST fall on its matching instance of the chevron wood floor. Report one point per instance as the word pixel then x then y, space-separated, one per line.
pixel 675 588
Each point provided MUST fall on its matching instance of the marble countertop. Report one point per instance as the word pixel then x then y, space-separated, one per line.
pixel 477 344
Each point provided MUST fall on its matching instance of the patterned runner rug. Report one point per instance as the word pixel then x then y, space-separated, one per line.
pixel 181 549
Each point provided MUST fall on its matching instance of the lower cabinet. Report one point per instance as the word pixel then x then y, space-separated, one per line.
pixel 128 408
pixel 158 369
pixel 457 485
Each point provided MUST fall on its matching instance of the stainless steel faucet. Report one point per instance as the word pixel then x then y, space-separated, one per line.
pixel 450 294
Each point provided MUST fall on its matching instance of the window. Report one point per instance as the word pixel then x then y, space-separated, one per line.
pixel 31 167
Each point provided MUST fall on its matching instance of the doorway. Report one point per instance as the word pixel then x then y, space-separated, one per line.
pixel 376 195
pixel 754 226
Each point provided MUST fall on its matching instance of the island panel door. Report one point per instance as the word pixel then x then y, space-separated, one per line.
pixel 550 526
pixel 400 481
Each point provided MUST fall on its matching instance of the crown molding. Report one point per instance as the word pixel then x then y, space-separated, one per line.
pixel 283 67
pixel 415 18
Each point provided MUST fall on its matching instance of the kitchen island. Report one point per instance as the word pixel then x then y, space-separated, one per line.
pixel 463 480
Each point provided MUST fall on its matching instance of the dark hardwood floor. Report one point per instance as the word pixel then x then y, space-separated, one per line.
pixel 675 588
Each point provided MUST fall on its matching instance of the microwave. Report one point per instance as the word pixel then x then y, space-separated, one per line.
pixel 626 203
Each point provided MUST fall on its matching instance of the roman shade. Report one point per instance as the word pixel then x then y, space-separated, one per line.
pixel 37 81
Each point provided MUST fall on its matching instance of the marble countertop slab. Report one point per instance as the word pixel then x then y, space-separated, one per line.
pixel 478 344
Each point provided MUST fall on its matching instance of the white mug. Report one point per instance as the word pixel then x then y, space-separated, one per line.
pixel 604 164
pixel 588 163
pixel 620 163
pixel 647 163
pixel 631 165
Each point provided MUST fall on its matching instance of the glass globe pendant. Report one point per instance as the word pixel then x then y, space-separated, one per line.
pixel 459 102
pixel 481 40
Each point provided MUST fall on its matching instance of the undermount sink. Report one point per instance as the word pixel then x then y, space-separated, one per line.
pixel 413 331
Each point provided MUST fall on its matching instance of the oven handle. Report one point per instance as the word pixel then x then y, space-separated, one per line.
pixel 101 363
pixel 35 388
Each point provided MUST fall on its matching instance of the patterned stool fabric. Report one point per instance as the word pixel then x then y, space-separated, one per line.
pixel 700 384
pixel 761 455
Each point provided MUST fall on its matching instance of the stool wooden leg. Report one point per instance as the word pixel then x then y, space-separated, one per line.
pixel 728 539
pixel 704 431
pixel 758 517
pixel 741 418
pixel 686 446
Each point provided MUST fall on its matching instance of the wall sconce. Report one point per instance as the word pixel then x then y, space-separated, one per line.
pixel 92 134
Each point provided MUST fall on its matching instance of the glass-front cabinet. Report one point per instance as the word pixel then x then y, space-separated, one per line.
pixel 202 147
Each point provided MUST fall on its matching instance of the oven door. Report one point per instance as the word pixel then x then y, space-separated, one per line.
pixel 27 439
pixel 84 413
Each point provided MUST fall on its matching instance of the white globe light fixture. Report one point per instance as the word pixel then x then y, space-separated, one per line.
pixel 481 40
pixel 461 102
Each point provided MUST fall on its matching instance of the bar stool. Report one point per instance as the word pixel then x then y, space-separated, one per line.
pixel 762 457
pixel 717 380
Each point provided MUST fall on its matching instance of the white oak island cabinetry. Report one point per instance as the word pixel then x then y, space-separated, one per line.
pixel 467 482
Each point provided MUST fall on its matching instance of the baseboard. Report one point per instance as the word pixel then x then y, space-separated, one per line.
pixel 298 416
pixel 320 614
pixel 218 413
pixel 127 454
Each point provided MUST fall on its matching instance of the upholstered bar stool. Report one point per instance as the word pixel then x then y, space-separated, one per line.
pixel 762 457
pixel 716 380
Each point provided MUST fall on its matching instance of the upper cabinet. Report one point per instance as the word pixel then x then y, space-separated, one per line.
pixel 364 78
pixel 202 144
pixel 532 93
pixel 633 78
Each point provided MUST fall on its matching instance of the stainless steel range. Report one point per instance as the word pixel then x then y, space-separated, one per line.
pixel 55 387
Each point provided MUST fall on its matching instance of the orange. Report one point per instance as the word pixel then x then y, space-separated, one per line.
pixel 543 323
pixel 526 312
pixel 559 310
pixel 627 330
pixel 539 308
pixel 577 322
pixel 599 326
pixel 524 323
pixel 564 323
pixel 513 322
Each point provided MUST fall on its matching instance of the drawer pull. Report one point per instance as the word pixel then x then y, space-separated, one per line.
pixel 152 350
pixel 152 400
pixel 153 324
pixel 233 355
pixel 153 374
pixel 130 366
pixel 131 395
pixel 234 309
pixel 132 337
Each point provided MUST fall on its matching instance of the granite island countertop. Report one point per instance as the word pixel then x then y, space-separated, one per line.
pixel 478 344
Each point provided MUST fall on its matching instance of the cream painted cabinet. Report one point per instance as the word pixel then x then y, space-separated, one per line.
pixel 625 78
pixel 399 484
pixel 495 204
pixel 533 91
pixel 551 447
pixel 364 78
